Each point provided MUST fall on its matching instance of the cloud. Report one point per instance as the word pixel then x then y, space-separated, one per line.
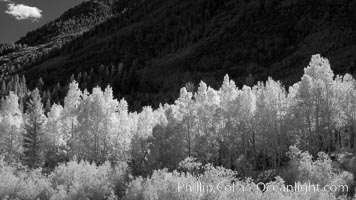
pixel 22 12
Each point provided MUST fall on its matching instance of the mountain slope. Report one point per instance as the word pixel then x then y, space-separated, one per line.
pixel 164 44
pixel 73 22
pixel 42 43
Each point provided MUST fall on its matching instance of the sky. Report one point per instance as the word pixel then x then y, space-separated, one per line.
pixel 17 17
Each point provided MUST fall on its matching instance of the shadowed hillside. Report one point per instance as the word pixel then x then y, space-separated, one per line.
pixel 151 48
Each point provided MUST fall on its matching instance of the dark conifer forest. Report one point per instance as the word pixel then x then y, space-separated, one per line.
pixel 182 99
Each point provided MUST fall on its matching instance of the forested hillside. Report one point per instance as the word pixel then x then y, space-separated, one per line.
pixel 73 22
pixel 48 40
pixel 149 49
pixel 92 147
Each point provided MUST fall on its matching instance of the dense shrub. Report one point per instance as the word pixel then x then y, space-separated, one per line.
pixel 303 169
pixel 193 181
pixel 68 181
pixel 17 183
pixel 213 183
pixel 87 181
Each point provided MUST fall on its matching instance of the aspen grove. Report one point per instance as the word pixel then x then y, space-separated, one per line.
pixel 92 147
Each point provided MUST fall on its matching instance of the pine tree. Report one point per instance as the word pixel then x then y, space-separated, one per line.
pixel 3 88
pixel 16 85
pixel 23 87
pixel 33 135
pixel 72 79
pixel 40 84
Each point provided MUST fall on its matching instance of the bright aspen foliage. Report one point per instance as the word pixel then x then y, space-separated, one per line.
pixel 11 128
pixel 92 147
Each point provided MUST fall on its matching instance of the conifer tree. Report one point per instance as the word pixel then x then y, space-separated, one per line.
pixel 3 88
pixel 33 135
pixel 40 84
